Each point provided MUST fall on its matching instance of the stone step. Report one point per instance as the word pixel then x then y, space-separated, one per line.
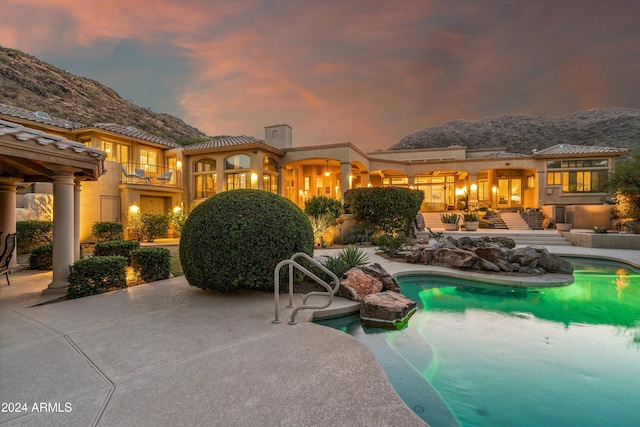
pixel 514 221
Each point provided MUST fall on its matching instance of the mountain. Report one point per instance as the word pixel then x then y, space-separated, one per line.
pixel 29 83
pixel 608 127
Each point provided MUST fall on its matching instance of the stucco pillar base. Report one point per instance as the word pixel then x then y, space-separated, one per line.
pixel 56 289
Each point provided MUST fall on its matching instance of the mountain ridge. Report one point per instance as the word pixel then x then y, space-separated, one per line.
pixel 520 133
pixel 29 83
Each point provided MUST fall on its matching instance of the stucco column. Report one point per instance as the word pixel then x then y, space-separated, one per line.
pixel 411 181
pixel 473 188
pixel 63 229
pixel 76 220
pixel 345 171
pixel 8 214
pixel 364 179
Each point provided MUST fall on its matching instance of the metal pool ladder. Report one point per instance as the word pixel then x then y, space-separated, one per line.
pixel 293 264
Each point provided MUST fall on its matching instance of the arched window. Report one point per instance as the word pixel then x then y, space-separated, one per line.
pixel 238 174
pixel 205 178
pixel 270 175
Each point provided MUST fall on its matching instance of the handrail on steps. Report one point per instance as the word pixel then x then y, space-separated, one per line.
pixel 292 263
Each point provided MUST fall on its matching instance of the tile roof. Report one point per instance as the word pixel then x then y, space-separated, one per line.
pixel 38 117
pixel 134 133
pixel 506 155
pixel 44 118
pixel 230 141
pixel 562 149
pixel 23 133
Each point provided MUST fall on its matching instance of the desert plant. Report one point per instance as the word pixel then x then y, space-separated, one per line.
pixel 353 257
pixel 96 275
pixel 384 209
pixel 235 239
pixel 320 225
pixel 107 231
pixel 453 218
pixel 469 217
pixel 343 261
pixel 151 264
pixel 154 225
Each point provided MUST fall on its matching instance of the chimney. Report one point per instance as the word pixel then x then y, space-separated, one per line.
pixel 278 135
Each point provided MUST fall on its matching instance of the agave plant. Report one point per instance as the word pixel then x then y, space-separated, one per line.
pixel 353 257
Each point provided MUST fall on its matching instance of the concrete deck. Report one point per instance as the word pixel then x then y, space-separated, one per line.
pixel 166 353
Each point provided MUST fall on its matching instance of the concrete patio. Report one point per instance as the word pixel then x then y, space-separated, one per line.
pixel 166 353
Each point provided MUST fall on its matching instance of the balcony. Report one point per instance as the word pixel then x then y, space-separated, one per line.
pixel 153 176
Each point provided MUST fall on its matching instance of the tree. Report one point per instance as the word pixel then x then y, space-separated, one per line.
pixel 625 182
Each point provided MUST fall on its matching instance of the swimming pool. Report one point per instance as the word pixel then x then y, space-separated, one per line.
pixel 485 357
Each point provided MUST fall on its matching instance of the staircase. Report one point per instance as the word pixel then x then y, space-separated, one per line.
pixel 493 220
pixel 432 220
pixel 514 221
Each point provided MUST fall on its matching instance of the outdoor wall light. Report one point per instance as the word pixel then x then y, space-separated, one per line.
pixel 134 209
pixel 177 209
pixel 474 186
pixel 179 164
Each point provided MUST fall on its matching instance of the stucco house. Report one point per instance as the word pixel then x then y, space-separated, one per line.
pixel 148 173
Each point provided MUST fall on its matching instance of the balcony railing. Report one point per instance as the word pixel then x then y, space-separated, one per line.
pixel 155 176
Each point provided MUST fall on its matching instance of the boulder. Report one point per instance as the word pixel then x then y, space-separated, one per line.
pixel 632 227
pixel 552 263
pixel 454 257
pixel 419 222
pixel 525 256
pixel 357 285
pixel 504 241
pixel 388 309
pixel 388 282
pixel 496 257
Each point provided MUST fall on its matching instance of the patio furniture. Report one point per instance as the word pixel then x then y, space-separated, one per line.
pixel 141 175
pixel 127 174
pixel 165 177
pixel 7 254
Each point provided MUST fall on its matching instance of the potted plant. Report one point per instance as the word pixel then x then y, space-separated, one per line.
pixel 450 221
pixel 471 221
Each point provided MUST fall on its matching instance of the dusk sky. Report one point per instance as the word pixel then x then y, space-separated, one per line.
pixel 364 71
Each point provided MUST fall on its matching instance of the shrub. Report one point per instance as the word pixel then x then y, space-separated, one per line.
pixel 346 259
pixel 151 264
pixel 32 234
pixel 154 225
pixel 384 209
pixel 107 231
pixel 41 257
pixel 320 225
pixel 235 239
pixel 117 247
pixel 178 218
pixel 323 206
pixel 96 275
pixel 390 244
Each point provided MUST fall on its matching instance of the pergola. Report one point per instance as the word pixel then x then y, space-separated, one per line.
pixel 29 155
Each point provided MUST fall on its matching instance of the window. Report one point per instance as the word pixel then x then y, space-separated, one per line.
pixel 270 175
pixel 116 152
pixel 205 178
pixel 240 178
pixel 149 160
pixel 239 161
pixel 483 190
pixel 396 181
pixel 554 178
pixel 531 181
pixel 583 181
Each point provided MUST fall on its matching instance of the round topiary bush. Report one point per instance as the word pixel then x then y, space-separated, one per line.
pixel 235 239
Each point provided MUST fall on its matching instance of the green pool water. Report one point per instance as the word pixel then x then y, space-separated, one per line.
pixel 565 356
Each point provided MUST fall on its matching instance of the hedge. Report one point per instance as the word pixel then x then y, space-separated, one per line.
pixel 96 275
pixel 107 231
pixel 151 264
pixel 384 209
pixel 117 247
pixel 41 257
pixel 32 234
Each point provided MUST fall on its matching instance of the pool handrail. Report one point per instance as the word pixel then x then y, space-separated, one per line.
pixel 293 264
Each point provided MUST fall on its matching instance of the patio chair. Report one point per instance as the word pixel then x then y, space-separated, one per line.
pixel 141 175
pixel 7 254
pixel 127 174
pixel 165 177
